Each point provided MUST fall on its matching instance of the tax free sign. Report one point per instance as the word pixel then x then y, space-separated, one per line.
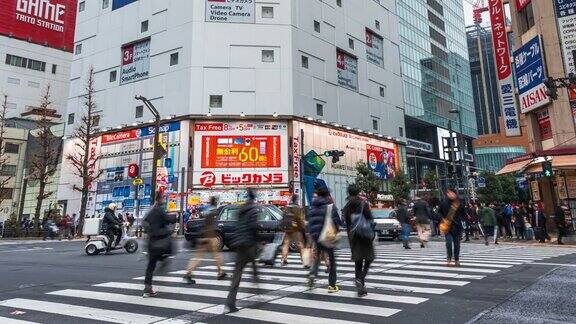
pixel 530 75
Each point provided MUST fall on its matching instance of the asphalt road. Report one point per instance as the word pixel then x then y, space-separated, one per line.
pixel 55 282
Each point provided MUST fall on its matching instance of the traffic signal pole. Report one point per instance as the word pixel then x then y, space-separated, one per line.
pixel 155 152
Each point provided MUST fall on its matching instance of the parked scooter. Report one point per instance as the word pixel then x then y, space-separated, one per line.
pixel 97 243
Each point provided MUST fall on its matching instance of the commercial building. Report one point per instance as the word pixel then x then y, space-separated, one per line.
pixel 14 153
pixel 436 79
pixel 36 40
pixel 330 63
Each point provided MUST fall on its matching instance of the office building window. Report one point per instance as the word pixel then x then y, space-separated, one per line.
pixel 304 60
pixel 71 119
pixel 8 170
pixel 144 26
pixel 33 84
pixel 215 101
pixel 173 59
pixel 351 43
pixel 319 109
pixel 382 92
pixel 139 112
pixel 54 68
pixel 105 4
pixel 78 49
pixel 339 3
pixel 96 120
pixel 82 6
pixel 375 124
pixel 23 62
pixel 13 81
pixel 377 24
pixel 267 55
pixel 316 26
pixel 113 76
pixel 267 12
pixel 401 131
pixel 11 148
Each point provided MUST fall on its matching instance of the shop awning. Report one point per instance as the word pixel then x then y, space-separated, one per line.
pixel 564 161
pixel 513 167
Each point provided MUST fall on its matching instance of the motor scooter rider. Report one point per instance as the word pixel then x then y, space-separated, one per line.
pixel 110 225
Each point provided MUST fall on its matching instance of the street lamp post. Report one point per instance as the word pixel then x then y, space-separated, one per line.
pixel 156 152
pixel 461 148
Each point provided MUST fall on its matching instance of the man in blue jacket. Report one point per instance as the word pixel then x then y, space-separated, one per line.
pixel 316 219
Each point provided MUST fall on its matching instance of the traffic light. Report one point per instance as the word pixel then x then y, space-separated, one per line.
pixel 335 154
pixel 551 90
pixel 547 169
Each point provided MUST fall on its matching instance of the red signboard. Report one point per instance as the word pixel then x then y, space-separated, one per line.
pixel 45 22
pixel 545 125
pixel 520 4
pixel 209 127
pixel 500 39
pixel 120 136
pixel 209 179
pixel 222 152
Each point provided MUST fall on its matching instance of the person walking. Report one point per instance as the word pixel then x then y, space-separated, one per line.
pixel 519 225
pixel 244 242
pixel 318 224
pixel 404 219
pixel 208 243
pixel 355 212
pixel 452 211
pixel 560 221
pixel 539 223
pixel 293 225
pixel 158 226
pixel 421 211
pixel 487 221
pixel 508 213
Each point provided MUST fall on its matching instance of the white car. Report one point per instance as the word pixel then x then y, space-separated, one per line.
pixel 386 225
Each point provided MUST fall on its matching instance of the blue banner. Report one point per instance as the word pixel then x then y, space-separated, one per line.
pixel 116 4
pixel 170 127
pixel 565 8
pixel 529 65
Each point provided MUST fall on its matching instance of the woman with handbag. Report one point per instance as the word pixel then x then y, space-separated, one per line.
pixel 453 213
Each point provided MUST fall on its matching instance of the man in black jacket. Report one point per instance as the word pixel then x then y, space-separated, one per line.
pixel 404 219
pixel 157 224
pixel 110 225
pixel 244 242
pixel 560 221
pixel 452 211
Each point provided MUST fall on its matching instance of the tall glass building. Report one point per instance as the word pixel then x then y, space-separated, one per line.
pixel 436 77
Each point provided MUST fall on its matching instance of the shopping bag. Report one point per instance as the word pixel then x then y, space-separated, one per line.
pixel 328 234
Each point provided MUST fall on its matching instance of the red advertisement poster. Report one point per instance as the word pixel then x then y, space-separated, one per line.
pixel 223 152
pixel 46 22
pixel 120 136
pixel 382 161
pixel 544 125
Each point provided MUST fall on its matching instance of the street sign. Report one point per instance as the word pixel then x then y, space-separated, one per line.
pixel 170 178
pixel 138 182
pixel 481 182
pixel 133 170
pixel 168 162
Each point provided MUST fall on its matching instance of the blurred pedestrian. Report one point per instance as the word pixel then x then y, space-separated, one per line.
pixel 422 213
pixel 471 219
pixel 323 225
pixel 244 242
pixel 487 221
pixel 519 225
pixel 404 219
pixel 539 223
pixel 207 243
pixel 157 225
pixel 356 214
pixel 560 221
pixel 452 211
pixel 293 226
pixel 508 213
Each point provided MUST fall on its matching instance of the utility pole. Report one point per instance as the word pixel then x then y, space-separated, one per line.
pixel 156 151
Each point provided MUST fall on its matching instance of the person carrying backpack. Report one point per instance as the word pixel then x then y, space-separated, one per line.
pixel 293 225
pixel 359 221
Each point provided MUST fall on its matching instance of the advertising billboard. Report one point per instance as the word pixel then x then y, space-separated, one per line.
pixel 504 68
pixel 230 11
pixel 47 22
pixel 117 4
pixel 235 154
pixel 347 70
pixel 374 48
pixel 135 62
pixel 566 17
pixel 530 75
pixel 382 161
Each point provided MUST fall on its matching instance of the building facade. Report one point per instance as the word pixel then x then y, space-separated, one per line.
pixel 334 63
pixel 436 81
pixel 14 153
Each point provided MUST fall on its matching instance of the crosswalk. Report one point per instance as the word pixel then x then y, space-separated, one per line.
pixel 397 279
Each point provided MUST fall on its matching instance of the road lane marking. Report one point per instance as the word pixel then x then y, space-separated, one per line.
pixel 370 296
pixel 91 313
pixel 6 320
pixel 336 307
pixel 284 318
pixel 225 283
pixel 174 290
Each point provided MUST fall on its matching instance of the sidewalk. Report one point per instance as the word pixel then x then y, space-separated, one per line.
pixel 569 241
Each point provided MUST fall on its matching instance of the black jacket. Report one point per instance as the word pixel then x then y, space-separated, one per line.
pixel 559 217
pixel 539 219
pixel 421 211
pixel 402 214
pixel 157 223
pixel 246 232
pixel 459 216
pixel 361 250
pixel 109 222
pixel 317 215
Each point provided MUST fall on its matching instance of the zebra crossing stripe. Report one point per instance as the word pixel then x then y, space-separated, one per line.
pixel 425 267
pixel 131 299
pixel 6 320
pixel 370 296
pixel 174 290
pixel 433 274
pixel 402 288
pixel 91 313
pixel 225 283
pixel 419 280
pixel 336 307
pixel 284 318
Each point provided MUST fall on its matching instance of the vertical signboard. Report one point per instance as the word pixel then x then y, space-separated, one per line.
pixel 521 4
pixel 47 22
pixel 347 70
pixel 504 68
pixel 135 62
pixel 530 75
pixel 230 11
pixel 374 48
pixel 566 16
pixel 544 125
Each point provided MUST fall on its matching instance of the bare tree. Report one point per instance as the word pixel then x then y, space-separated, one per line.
pixel 4 179
pixel 82 160
pixel 44 159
